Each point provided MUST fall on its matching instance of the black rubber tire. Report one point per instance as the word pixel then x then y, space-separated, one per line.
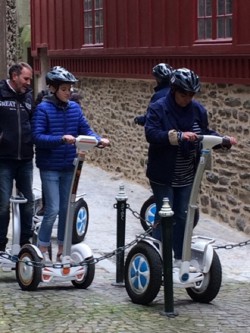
pixel 28 276
pixel 147 214
pixel 81 221
pixel 88 277
pixel 143 273
pixel 210 285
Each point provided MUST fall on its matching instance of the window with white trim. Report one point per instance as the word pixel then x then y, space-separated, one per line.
pixel 93 22
pixel 214 19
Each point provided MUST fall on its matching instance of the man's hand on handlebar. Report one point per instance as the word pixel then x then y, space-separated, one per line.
pixel 228 142
pixel 104 142
pixel 189 136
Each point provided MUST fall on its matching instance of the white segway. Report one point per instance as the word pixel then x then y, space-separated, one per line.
pixel 6 258
pixel 30 270
pixel 143 266
pixel 80 222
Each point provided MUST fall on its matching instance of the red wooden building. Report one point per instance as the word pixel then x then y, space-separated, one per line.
pixel 125 38
pixel 112 45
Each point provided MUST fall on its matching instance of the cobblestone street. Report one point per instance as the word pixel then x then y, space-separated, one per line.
pixel 106 308
pixel 103 307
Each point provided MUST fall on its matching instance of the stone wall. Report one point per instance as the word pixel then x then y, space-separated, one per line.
pixel 12 35
pixel 111 105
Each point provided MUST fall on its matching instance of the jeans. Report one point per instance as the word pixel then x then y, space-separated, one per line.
pixel 56 187
pixel 22 173
pixel 178 200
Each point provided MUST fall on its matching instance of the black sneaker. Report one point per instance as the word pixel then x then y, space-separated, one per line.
pixel 24 242
pixel 2 247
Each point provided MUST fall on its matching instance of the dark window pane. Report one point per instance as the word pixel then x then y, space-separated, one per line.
pixel 98 18
pixel 201 29
pixel 201 7
pixel 220 28
pixel 88 36
pixel 98 4
pixel 208 7
pixel 87 4
pixel 99 35
pixel 228 27
pixel 229 6
pixel 220 7
pixel 208 25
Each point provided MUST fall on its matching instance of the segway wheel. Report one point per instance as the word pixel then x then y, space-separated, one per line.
pixel 88 276
pixel 143 273
pixel 81 221
pixel 28 276
pixel 147 213
pixel 208 289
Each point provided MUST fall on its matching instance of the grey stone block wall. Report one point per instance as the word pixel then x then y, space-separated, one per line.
pixel 12 38
pixel 111 105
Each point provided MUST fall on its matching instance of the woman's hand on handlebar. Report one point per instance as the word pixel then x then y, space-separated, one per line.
pixel 69 139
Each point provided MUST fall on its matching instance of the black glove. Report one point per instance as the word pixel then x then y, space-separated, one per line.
pixel 140 120
pixel 226 142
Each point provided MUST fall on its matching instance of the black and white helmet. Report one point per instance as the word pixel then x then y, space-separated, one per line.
pixel 186 80
pixel 58 75
pixel 162 71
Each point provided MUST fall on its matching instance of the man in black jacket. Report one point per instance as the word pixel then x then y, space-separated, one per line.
pixel 16 148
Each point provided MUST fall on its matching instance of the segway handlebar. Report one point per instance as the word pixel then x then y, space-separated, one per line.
pixel 86 142
pixel 210 141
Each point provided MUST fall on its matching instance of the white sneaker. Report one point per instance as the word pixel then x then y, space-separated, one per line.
pixel 46 258
pixel 177 264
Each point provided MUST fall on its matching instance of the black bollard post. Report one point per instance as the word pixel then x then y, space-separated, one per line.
pixel 121 207
pixel 166 214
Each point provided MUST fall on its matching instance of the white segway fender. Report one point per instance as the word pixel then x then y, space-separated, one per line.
pixel 208 258
pixel 80 251
pixel 202 257
pixel 202 252
pixel 156 244
pixel 35 248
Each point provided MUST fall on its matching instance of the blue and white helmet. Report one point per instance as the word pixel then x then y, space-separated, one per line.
pixel 186 80
pixel 58 75
pixel 162 71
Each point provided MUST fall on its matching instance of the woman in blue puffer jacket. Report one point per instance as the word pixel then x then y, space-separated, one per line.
pixel 56 123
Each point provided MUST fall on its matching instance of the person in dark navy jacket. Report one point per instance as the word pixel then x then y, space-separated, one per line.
pixel 16 148
pixel 162 73
pixel 56 123
pixel 172 126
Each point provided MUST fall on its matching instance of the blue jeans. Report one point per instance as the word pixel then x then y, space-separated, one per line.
pixel 178 200
pixel 22 173
pixel 56 188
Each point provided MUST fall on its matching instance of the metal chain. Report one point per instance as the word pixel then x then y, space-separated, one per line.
pixel 231 246
pixel 93 261
pixel 216 247
pixel 82 263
